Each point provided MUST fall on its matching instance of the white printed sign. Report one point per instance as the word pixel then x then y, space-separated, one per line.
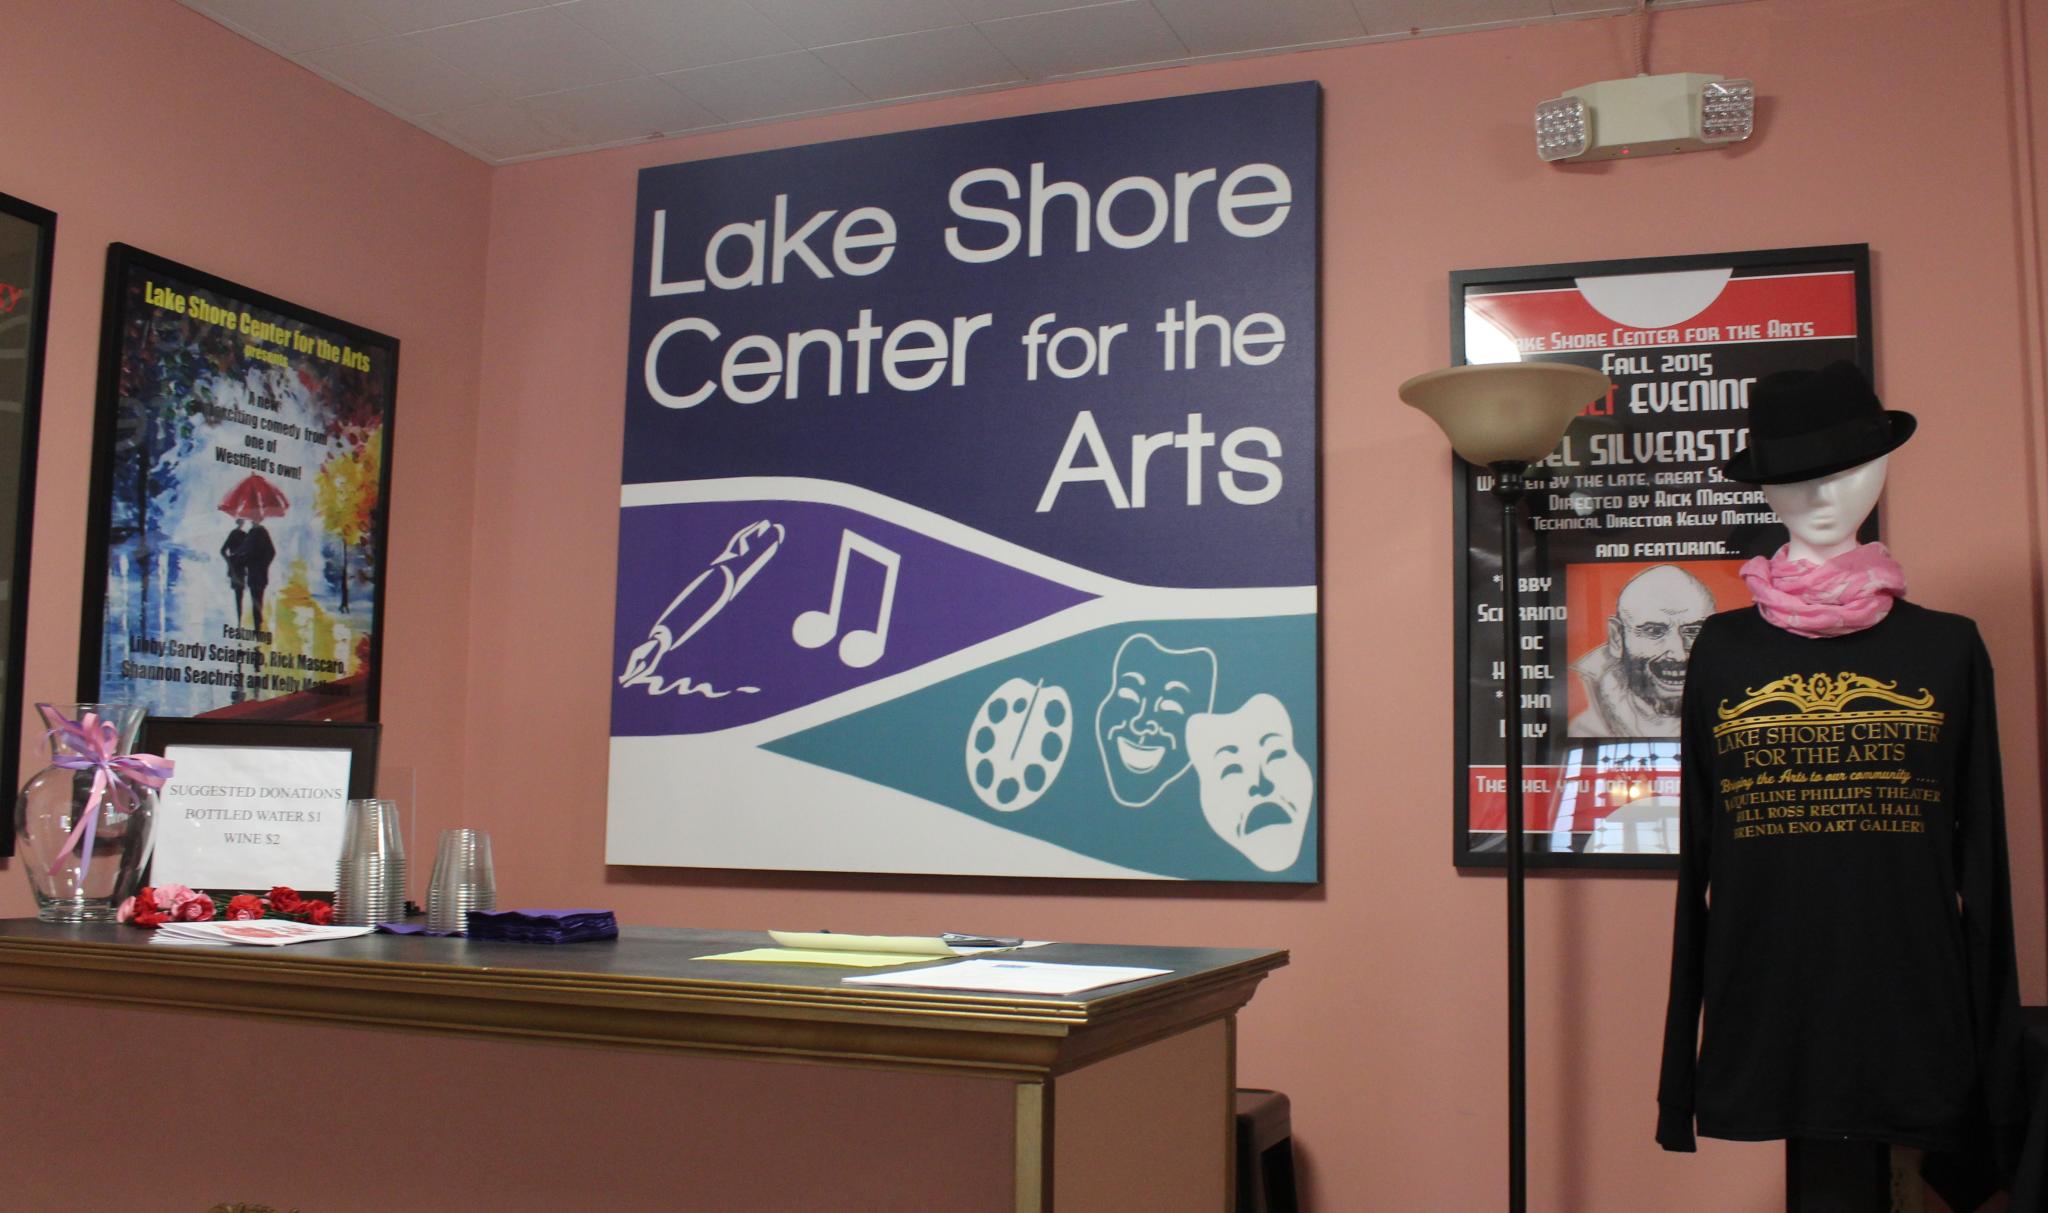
pixel 249 817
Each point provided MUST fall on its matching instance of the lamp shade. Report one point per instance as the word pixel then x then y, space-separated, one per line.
pixel 1505 411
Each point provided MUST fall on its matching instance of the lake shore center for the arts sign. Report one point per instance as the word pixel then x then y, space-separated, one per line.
pixel 968 501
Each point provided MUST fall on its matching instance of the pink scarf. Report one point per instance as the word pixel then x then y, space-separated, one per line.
pixel 1847 594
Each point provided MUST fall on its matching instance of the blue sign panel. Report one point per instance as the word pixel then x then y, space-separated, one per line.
pixel 968 501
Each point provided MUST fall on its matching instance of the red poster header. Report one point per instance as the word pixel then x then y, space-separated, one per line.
pixel 1785 307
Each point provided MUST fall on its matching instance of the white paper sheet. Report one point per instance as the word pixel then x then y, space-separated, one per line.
pixel 1010 977
pixel 249 817
pixel 260 932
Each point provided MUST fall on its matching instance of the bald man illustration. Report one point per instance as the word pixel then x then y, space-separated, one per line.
pixel 1634 682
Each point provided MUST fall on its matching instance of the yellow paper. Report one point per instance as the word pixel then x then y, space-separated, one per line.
pixel 812 956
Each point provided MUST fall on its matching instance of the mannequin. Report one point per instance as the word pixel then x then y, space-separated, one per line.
pixel 1825 514
pixel 1844 918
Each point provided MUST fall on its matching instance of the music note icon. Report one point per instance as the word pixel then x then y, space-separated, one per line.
pixel 861 647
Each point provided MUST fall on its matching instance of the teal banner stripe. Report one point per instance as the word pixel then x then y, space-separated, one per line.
pixel 1181 748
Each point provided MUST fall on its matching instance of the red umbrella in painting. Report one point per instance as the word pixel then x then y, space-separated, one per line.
pixel 255 499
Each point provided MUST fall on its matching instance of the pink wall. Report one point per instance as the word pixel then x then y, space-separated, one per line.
pixel 141 121
pixel 1387 1030
pixel 1903 123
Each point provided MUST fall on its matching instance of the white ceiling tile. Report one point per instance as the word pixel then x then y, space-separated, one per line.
pixel 499 129
pixel 767 88
pixel 411 16
pixel 507 79
pixel 667 35
pixel 399 75
pixel 1219 27
pixel 911 65
pixel 824 22
pixel 996 10
pixel 534 52
pixel 1086 39
pixel 624 109
pixel 297 25
pixel 1422 16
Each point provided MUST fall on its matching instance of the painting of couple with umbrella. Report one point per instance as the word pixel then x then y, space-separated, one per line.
pixel 248 549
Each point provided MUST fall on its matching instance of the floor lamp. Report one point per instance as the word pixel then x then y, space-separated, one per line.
pixel 1505 417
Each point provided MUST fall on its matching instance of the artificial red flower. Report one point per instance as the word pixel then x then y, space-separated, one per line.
pixel 317 912
pixel 170 896
pixel 284 899
pixel 141 910
pixel 196 908
pixel 245 906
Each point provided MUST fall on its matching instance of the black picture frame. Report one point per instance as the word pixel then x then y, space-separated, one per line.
pixel 361 740
pixel 311 697
pixel 28 239
pixel 1536 557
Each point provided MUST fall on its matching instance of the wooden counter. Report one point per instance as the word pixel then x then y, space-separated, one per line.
pixel 1080 1068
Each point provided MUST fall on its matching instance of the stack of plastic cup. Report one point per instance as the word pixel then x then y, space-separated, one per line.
pixel 369 884
pixel 462 881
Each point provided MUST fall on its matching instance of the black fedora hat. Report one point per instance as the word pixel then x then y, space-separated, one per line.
pixel 1807 424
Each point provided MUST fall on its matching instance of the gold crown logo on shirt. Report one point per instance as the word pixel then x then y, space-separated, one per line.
pixel 1823 693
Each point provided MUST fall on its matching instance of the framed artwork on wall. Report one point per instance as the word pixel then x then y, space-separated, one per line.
pixel 27 238
pixel 240 501
pixel 968 508
pixel 256 803
pixel 1634 537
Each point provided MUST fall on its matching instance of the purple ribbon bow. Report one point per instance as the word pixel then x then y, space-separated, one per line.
pixel 96 744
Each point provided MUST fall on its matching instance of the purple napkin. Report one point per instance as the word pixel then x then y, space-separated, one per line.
pixel 542 926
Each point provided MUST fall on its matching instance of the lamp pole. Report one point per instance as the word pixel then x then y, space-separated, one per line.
pixel 1507 416
pixel 1509 483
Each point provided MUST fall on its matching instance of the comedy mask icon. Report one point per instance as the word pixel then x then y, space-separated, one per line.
pixel 1257 790
pixel 1141 724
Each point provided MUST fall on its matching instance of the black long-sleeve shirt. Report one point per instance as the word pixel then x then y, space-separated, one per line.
pixel 1844 915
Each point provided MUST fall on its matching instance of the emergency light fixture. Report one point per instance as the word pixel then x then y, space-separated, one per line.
pixel 1645 116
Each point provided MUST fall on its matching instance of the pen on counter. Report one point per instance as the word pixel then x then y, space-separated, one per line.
pixel 977 941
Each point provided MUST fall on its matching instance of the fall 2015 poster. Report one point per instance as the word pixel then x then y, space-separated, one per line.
pixel 240 474
pixel 1631 535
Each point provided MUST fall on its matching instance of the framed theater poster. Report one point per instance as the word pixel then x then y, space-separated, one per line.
pixel 236 533
pixel 1633 535
pixel 27 235
pixel 967 514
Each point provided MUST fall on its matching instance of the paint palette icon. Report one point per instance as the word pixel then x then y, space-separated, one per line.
pixel 1018 743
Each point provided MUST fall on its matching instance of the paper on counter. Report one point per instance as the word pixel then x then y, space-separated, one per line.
pixel 260 932
pixel 833 941
pixel 819 956
pixel 923 946
pixel 1011 977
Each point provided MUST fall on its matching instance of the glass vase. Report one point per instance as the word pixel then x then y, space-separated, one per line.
pixel 82 872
